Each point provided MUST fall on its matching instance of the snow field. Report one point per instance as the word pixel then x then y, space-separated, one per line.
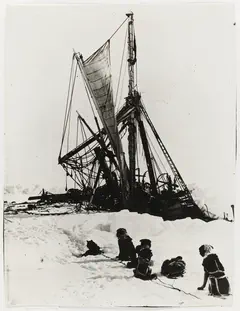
pixel 41 268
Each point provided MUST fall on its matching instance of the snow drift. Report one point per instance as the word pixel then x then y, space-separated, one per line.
pixel 41 270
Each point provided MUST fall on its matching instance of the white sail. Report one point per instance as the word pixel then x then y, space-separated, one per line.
pixel 97 69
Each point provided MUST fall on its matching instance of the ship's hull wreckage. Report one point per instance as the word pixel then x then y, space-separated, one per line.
pixel 107 175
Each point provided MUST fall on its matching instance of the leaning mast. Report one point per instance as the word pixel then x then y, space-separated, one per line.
pixel 97 77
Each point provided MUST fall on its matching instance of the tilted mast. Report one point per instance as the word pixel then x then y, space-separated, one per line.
pixel 96 73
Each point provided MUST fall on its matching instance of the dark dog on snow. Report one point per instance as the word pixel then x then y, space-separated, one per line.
pixel 143 271
pixel 93 249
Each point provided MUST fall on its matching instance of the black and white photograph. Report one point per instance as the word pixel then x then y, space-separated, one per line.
pixel 120 152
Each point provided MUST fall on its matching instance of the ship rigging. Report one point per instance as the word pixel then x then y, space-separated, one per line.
pixel 106 169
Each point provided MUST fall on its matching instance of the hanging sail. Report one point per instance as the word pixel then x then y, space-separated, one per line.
pixel 97 70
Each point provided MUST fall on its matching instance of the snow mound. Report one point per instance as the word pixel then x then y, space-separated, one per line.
pixel 104 227
pixel 40 257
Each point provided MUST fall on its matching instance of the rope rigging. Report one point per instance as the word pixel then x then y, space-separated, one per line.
pixel 66 125
pixel 116 30
pixel 87 158
pixel 171 164
pixel 70 108
pixel 118 107
pixel 137 148
pixel 92 56
pixel 76 146
pixel 89 99
pixel 121 65
pixel 67 104
pixel 68 113
pixel 159 158
pixel 68 117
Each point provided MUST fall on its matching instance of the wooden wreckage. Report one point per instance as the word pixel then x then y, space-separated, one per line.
pixel 106 169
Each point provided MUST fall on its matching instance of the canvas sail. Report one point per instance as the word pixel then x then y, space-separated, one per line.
pixel 97 71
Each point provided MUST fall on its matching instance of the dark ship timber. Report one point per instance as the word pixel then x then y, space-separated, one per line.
pixel 71 196
pixel 106 170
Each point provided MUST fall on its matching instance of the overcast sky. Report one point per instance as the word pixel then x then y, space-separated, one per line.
pixel 186 73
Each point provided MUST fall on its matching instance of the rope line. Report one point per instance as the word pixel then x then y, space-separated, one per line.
pixel 121 92
pixel 88 95
pixel 113 259
pixel 116 30
pixel 66 117
pixel 158 278
pixel 157 153
pixel 67 104
pixel 176 288
pixel 121 66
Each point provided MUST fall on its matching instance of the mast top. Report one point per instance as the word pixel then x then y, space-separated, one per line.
pixel 129 14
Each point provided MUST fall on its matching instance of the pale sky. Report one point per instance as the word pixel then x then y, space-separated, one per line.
pixel 186 74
